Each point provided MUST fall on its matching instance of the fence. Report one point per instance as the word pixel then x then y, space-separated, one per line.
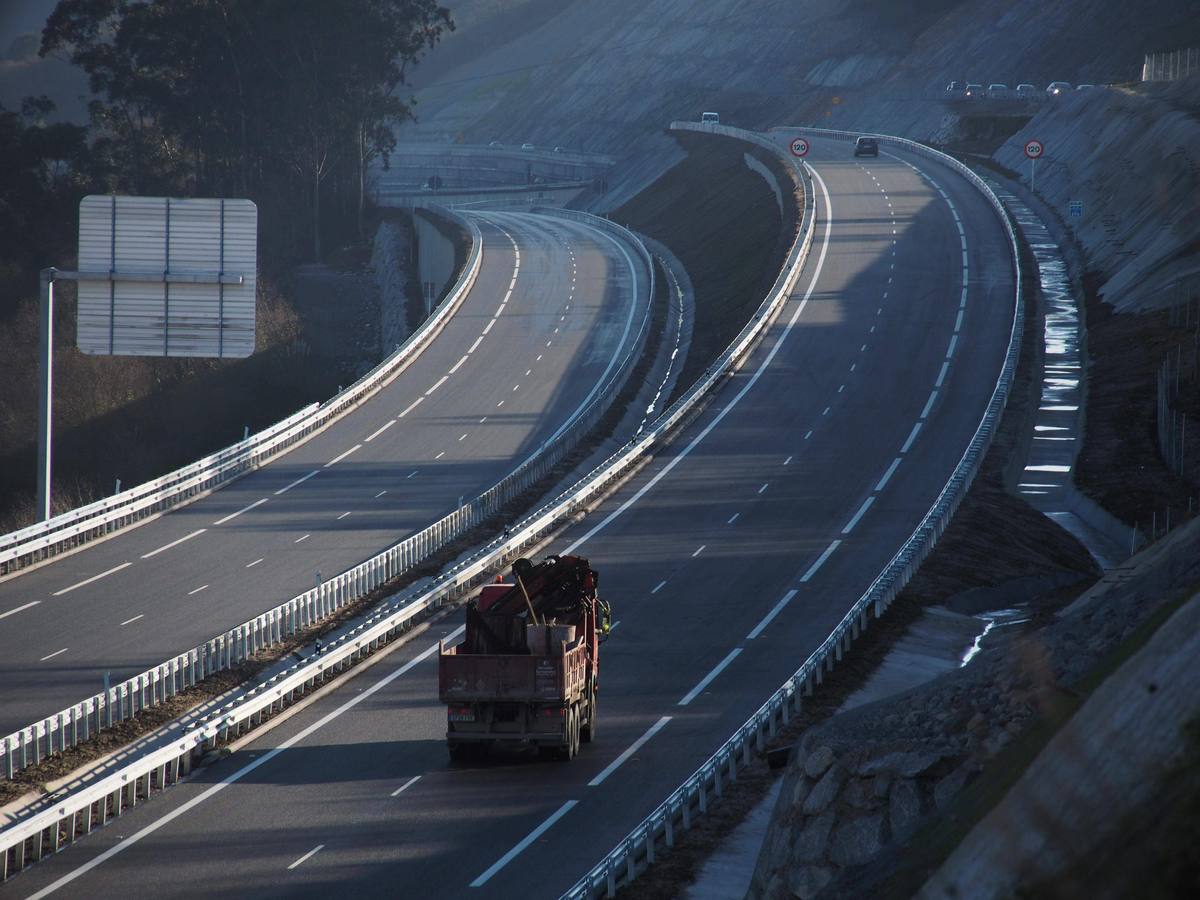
pixel 637 850
pixel 1171 65
pixel 64 533
pixel 77 814
pixel 29 745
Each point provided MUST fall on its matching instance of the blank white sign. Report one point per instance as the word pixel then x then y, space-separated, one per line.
pixel 157 236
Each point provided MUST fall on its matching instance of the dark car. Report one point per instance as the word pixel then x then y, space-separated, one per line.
pixel 866 146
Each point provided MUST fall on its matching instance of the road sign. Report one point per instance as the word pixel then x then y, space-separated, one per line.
pixel 1034 149
pixel 160 276
pixel 1075 209
pixel 800 147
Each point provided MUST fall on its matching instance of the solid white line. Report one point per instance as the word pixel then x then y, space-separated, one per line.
pixel 134 619
pixel 699 550
pixel 300 480
pixel 13 612
pixel 240 511
pixel 95 578
pixel 255 563
pixel 437 384
pixel 202 587
pixel 942 374
pixel 174 543
pixel 341 456
pixel 404 787
pixel 911 437
pixel 707 679
pixel 54 654
pixel 185 808
pixel 629 751
pixel 410 408
pixel 380 430
pixel 858 515
pixel 750 382
pixel 929 403
pixel 733 518
pixel 775 610
pixel 658 587
pixel 309 855
pixel 812 570
pixel 887 476
pixel 525 842
pixel 303 537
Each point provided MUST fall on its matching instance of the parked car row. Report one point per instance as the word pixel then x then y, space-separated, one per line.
pixel 998 90
pixel 496 145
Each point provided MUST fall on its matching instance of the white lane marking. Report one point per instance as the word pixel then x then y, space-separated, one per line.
pixel 437 384
pixel 929 403
pixel 958 321
pixel 871 332
pixel 853 366
pixel 202 587
pixel 309 855
pixel 255 563
pixel 629 751
pixel 303 537
pixel 953 344
pixel 404 787
pixel 337 459
pixel 887 476
pixel 440 455
pixel 185 808
pixel 516 387
pixel 708 679
pixel 841 388
pixel 475 346
pixel 808 434
pixel 788 460
pixel 222 521
pixel 528 372
pixel 548 343
pixel 766 620
pixel 500 404
pixel 523 845
pixel 488 327
pixel 827 409
pixel 85 581
pixel 187 537
pixel 134 619
pixel 764 486
pixel 13 612
pixel 658 587
pixel 813 569
pixel 911 437
pixel 862 349
pixel 750 382
pixel 410 407
pixel 556 331
pixel 942 374
pixel 54 654
pixel 378 431
pixel 733 518
pixel 300 480
pixel 380 494
pixel 699 550
pixel 484 419
pixel 539 358
pixel 411 474
pixel 858 515
pixel 463 436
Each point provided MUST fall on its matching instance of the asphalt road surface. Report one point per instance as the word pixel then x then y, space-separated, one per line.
pixel 727 561
pixel 551 310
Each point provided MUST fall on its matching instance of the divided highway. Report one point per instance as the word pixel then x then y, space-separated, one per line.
pixel 551 314
pixel 727 561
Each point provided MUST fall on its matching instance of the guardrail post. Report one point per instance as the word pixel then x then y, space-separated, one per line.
pixel 9 759
pixel 630 863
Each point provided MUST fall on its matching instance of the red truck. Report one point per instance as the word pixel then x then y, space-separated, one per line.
pixel 527 668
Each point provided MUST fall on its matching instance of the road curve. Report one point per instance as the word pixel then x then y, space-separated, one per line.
pixel 727 561
pixel 541 327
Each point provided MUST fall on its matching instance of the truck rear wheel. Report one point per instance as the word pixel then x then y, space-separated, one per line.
pixel 588 732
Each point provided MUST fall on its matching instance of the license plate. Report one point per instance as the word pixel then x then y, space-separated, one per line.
pixel 462 717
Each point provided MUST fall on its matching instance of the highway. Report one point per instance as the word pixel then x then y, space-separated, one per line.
pixel 549 317
pixel 727 561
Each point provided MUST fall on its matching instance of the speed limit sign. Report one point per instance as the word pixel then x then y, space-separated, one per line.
pixel 1034 149
pixel 799 147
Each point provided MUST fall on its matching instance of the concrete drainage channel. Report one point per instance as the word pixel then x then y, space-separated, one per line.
pixel 636 852
pixel 77 814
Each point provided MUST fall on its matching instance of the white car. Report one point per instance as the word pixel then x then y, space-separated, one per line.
pixel 710 117
pixel 1056 88
pixel 528 147
pixel 1084 87
pixel 1025 89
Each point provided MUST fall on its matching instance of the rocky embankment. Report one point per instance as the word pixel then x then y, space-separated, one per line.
pixel 874 797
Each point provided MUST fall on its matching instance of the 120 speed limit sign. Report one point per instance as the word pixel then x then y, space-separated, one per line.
pixel 1034 149
pixel 799 147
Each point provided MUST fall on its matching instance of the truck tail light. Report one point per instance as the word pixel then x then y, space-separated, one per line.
pixel 555 711
pixel 460 713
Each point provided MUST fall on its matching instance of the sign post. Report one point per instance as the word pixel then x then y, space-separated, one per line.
pixel 158 276
pixel 1034 150
pixel 799 147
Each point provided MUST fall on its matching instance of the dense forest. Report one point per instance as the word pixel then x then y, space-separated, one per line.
pixel 284 102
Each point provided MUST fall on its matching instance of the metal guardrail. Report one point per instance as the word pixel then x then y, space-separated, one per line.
pixel 691 799
pixel 29 745
pixel 37 543
pixel 72 816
